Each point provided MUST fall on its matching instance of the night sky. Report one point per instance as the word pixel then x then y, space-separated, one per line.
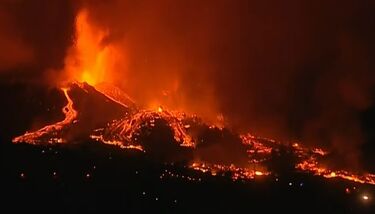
pixel 291 70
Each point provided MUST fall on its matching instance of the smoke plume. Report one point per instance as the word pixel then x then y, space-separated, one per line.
pixel 284 69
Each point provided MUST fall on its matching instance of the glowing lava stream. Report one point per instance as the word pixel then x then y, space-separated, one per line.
pixel 70 115
pixel 93 61
pixel 312 166
pixel 123 133
pixel 68 110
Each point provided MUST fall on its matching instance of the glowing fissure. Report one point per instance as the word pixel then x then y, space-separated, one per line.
pixel 53 129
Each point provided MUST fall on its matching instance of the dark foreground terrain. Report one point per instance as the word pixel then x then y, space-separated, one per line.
pixel 89 177
pixel 98 179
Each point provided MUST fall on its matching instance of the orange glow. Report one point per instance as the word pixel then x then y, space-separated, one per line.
pixel 117 143
pixel 127 129
pixel 311 165
pixel 94 58
pixel 123 133
pixel 236 172
pixel 90 59
pixel 319 151
pixel 36 137
pixel 98 56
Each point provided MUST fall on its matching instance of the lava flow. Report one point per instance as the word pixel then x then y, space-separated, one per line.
pixel 311 165
pixel 159 130
pixel 127 129
pixel 126 133
pixel 53 129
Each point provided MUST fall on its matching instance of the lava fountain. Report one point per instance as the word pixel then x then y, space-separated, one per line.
pixel 91 59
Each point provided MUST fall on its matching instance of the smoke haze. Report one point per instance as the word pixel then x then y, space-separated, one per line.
pixel 289 70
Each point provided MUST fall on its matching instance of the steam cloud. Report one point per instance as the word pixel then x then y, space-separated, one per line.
pixel 284 69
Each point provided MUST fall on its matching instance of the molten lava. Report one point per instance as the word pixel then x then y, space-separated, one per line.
pixel 127 129
pixel 53 129
pixel 120 144
pixel 311 165
pixel 93 59
pixel 125 133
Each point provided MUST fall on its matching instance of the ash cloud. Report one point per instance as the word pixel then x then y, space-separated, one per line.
pixel 284 69
pixel 34 37
pixel 290 70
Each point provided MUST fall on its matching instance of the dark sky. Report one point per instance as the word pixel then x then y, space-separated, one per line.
pixel 286 69
pixel 34 36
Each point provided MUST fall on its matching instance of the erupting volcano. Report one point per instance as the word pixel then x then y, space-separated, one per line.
pixel 139 93
pixel 160 130
pixel 133 130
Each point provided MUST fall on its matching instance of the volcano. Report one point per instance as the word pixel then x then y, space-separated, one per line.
pixel 107 115
pixel 187 106
pixel 113 118
pixel 86 110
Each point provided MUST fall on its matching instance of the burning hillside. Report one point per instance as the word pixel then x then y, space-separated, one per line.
pixel 174 136
pixel 188 105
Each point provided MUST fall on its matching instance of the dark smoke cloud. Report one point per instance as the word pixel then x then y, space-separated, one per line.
pixel 285 69
pixel 34 36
